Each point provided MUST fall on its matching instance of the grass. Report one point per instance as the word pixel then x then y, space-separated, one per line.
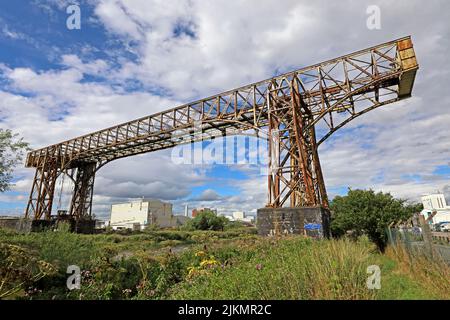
pixel 299 268
pixel 235 264
pixel 66 248
pixel 432 273
pixel 294 268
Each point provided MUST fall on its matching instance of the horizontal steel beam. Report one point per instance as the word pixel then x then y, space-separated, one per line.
pixel 336 86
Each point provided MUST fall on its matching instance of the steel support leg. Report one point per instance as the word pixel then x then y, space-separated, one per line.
pixel 81 205
pixel 42 190
pixel 295 176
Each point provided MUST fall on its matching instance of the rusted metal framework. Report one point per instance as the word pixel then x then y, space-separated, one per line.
pixel 298 109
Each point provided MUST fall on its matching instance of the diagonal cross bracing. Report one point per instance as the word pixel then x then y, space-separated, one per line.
pixel 304 107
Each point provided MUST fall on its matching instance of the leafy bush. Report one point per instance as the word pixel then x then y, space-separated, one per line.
pixel 207 220
pixel 230 225
pixel 367 212
pixel 12 150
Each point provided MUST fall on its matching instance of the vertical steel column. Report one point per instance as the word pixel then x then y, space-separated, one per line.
pixel 295 176
pixel 301 150
pixel 274 153
pixel 317 170
pixel 81 204
pixel 42 190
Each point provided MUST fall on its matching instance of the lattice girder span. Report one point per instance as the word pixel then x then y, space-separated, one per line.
pixel 303 107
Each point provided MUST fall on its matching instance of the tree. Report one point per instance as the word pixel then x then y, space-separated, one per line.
pixel 208 220
pixel 12 149
pixel 413 208
pixel 369 213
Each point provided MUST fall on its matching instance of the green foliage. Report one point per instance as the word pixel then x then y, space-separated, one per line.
pixel 298 268
pixel 105 279
pixel 230 225
pixel 207 220
pixel 12 150
pixel 152 227
pixel 294 268
pixel 63 227
pixel 366 212
pixel 421 270
pixel 413 208
pixel 205 264
pixel 19 269
pixel 234 264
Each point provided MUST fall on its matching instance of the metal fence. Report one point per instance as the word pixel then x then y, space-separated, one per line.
pixel 417 238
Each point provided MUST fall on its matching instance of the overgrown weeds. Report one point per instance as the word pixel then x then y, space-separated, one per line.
pixel 432 272
pixel 234 264
pixel 292 268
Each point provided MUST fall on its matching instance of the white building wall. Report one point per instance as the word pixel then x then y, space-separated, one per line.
pixel 144 212
pixel 124 214
pixel 241 216
pixel 238 215
pixel 443 216
pixel 436 202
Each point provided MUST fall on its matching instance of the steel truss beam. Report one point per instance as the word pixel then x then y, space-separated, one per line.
pixel 304 107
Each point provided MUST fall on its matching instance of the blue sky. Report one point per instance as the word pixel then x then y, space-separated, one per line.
pixel 134 58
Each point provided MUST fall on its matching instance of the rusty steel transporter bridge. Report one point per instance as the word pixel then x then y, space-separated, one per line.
pixel 303 107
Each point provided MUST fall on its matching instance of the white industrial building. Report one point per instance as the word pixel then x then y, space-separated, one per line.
pixel 436 202
pixel 241 216
pixel 138 214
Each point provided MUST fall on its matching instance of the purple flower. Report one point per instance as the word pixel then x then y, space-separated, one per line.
pixel 259 266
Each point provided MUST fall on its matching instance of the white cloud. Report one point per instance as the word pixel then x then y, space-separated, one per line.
pixel 208 195
pixel 190 49
pixel 97 67
pixel 117 19
pixel 11 34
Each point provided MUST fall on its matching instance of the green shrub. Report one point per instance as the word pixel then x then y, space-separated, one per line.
pixel 207 220
pixel 20 269
pixel 364 212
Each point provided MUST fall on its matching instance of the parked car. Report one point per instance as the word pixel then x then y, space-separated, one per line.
pixel 445 227
pixel 442 226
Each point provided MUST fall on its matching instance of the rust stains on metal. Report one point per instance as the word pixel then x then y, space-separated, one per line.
pixel 323 96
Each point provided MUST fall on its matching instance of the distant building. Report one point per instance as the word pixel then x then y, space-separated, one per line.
pixel 136 215
pixel 241 216
pixel 436 202
pixel 101 224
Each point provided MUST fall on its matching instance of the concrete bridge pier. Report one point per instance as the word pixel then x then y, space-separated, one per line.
pixel 310 221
